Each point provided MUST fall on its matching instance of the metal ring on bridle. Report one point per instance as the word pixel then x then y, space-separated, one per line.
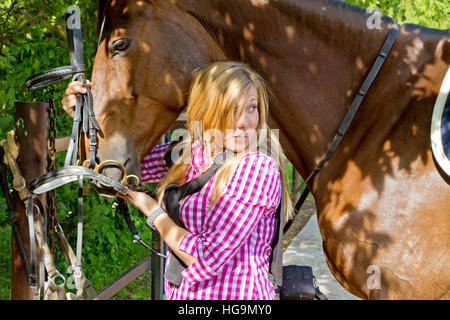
pixel 124 177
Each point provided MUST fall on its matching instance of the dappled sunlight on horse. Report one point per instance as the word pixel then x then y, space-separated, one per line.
pixel 381 200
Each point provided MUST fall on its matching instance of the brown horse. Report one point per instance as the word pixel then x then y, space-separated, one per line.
pixel 383 205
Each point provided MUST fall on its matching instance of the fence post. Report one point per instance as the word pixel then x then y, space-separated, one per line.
pixel 157 267
pixel 157 270
pixel 31 130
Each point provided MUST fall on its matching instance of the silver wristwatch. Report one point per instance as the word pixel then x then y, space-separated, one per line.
pixel 155 213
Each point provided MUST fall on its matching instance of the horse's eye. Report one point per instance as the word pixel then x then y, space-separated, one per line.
pixel 120 45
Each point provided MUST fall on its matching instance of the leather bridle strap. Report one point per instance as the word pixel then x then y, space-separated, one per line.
pixel 53 76
pixel 124 210
pixel 30 216
pixel 11 210
pixel 174 193
pixel 84 112
pixel 352 110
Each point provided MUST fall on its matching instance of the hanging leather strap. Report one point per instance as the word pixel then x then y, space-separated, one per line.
pixel 79 280
pixel 30 216
pixel 84 112
pixel 70 258
pixel 125 211
pixel 11 210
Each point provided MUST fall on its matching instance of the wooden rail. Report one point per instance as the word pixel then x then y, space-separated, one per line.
pixel 124 279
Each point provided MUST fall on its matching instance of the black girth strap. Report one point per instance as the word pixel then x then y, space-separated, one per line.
pixel 351 112
pixel 174 193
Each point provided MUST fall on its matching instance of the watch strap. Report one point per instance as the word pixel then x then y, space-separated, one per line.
pixel 153 215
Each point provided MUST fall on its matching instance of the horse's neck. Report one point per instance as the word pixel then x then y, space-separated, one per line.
pixel 314 55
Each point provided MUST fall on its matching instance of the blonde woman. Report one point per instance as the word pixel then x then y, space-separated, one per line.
pixel 231 222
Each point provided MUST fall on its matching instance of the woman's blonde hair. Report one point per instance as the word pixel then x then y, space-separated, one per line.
pixel 214 93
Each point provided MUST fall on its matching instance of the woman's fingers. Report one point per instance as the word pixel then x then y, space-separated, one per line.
pixel 140 200
pixel 69 99
pixel 75 87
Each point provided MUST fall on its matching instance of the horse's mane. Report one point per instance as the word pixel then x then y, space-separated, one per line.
pixel 346 6
pixel 338 4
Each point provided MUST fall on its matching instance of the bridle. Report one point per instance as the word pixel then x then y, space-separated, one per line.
pixel 84 122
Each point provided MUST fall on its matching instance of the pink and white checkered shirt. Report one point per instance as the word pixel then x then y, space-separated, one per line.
pixel 231 240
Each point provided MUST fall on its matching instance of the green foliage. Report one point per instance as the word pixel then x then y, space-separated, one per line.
pixel 33 39
pixel 428 13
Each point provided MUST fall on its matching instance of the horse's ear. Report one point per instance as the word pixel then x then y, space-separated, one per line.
pixel 101 4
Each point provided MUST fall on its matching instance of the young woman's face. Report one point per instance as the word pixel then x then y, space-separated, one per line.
pixel 246 122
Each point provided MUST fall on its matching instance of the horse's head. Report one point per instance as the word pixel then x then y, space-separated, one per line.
pixel 141 75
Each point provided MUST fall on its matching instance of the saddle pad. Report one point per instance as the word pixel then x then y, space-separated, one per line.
pixel 440 126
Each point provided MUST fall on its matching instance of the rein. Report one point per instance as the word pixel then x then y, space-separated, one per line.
pixel 345 124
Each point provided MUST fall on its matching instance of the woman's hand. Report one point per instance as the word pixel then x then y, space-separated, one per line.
pixel 169 231
pixel 140 200
pixel 69 99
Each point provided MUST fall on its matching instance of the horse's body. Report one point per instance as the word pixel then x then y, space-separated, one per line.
pixel 383 205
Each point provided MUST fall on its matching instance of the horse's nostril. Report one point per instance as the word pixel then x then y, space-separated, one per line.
pixel 126 162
